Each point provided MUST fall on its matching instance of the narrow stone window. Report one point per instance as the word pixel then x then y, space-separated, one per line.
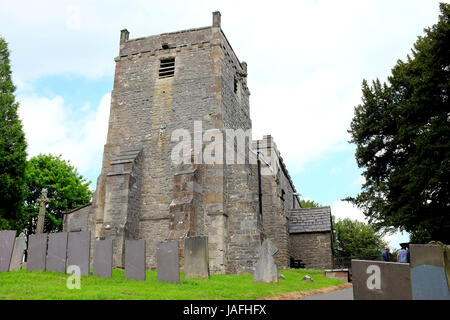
pixel 167 68
pixel 235 84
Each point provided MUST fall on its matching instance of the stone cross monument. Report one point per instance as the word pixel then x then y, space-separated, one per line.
pixel 41 218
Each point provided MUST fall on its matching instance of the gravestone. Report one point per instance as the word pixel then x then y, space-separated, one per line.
pixel 196 258
pixel 266 269
pixel 37 251
pixel 380 280
pixel 103 258
pixel 135 259
pixel 428 278
pixel 7 238
pixel 20 245
pixel 78 251
pixel 167 261
pixel 57 252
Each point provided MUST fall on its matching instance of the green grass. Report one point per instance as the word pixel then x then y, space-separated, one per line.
pixel 21 285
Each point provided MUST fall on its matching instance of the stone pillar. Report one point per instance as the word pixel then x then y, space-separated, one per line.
pixel 124 35
pixel 244 67
pixel 216 19
pixel 216 217
pixel 120 212
pixel 41 217
pixel 184 208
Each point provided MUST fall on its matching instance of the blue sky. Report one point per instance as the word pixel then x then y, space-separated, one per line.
pixel 306 61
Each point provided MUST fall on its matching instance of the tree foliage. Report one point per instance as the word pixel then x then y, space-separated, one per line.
pixel 309 204
pixel 67 189
pixel 357 239
pixel 402 134
pixel 12 147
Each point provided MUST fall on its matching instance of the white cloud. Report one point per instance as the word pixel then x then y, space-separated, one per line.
pixel 343 209
pixel 50 127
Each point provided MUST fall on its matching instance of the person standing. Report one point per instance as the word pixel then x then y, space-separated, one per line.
pixel 385 255
pixel 402 255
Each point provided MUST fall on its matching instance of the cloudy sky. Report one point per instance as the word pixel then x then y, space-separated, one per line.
pixel 306 61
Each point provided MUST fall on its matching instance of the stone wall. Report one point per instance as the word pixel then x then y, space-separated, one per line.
pixel 314 249
pixel 77 220
pixel 379 280
pixel 277 198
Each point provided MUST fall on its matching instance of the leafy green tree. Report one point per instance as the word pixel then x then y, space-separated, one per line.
pixel 357 239
pixel 12 147
pixel 309 204
pixel 67 189
pixel 402 134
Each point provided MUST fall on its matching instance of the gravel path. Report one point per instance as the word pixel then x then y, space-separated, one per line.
pixel 344 294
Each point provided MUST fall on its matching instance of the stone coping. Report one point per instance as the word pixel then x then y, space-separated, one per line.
pixel 336 270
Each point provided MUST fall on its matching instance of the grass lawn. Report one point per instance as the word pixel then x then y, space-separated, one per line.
pixel 20 285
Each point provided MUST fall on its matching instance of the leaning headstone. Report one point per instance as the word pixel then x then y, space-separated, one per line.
pixel 57 252
pixel 379 280
pixel 167 261
pixel 428 278
pixel 103 258
pixel 266 269
pixel 6 248
pixel 37 251
pixel 196 259
pixel 78 251
pixel 135 259
pixel 20 245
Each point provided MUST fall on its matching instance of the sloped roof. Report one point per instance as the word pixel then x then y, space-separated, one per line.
pixel 77 208
pixel 310 220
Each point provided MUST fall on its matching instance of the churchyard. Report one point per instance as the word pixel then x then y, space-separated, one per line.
pixel 58 267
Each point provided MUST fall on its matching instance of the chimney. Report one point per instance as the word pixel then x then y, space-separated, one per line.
pixel 216 19
pixel 124 34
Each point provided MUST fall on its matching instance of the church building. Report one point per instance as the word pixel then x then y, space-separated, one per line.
pixel 191 84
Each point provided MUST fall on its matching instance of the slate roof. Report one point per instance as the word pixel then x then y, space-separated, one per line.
pixel 310 220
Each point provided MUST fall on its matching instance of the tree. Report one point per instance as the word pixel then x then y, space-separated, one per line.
pixel 67 189
pixel 309 204
pixel 12 147
pixel 357 239
pixel 402 134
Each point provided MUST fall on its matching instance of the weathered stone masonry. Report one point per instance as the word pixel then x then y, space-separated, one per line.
pixel 142 194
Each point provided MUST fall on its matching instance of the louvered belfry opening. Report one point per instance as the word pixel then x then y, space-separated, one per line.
pixel 167 68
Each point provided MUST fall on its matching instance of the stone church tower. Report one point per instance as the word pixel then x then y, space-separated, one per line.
pixel 176 81
pixel 163 83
